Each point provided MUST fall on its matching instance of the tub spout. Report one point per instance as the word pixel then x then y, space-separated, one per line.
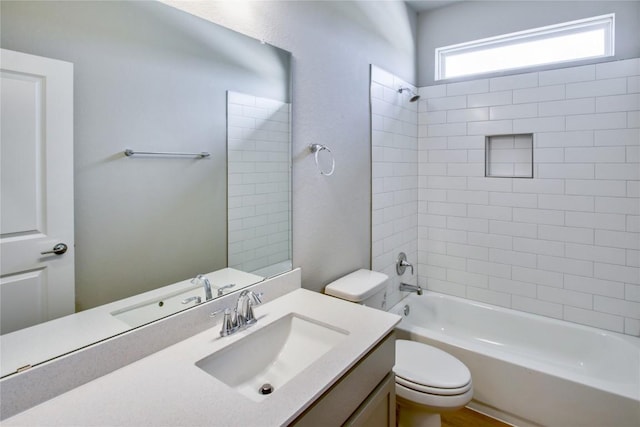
pixel 411 288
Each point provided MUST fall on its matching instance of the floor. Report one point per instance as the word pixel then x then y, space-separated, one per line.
pixel 468 418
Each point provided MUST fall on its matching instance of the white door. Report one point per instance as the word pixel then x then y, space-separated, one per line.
pixel 36 198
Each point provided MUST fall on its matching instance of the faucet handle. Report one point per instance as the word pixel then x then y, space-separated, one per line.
pixel 229 323
pixel 197 299
pixel 249 317
pixel 255 297
pixel 222 288
pixel 402 264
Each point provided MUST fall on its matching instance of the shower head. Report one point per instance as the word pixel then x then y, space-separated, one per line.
pixel 414 96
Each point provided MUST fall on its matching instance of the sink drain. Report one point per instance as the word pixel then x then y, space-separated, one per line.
pixel 265 389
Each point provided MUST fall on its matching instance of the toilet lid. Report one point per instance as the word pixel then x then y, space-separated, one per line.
pixel 426 365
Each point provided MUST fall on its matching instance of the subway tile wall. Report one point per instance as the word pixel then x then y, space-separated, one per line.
pixel 394 152
pixel 565 244
pixel 259 193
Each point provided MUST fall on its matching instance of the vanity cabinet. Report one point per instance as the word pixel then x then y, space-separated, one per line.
pixel 364 396
pixel 379 409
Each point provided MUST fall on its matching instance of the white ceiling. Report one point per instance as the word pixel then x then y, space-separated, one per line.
pixel 427 5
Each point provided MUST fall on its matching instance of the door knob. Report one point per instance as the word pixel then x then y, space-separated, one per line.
pixel 58 249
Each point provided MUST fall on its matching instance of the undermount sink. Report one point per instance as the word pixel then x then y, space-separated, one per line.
pixel 265 359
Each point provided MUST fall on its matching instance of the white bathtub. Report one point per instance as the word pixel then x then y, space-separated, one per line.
pixel 532 370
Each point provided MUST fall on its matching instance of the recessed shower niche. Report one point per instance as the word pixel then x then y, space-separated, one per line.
pixel 509 156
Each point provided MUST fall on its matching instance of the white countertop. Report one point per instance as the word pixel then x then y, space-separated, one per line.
pixel 168 389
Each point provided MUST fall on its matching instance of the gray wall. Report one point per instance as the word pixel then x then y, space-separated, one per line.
pixel 150 78
pixel 332 44
pixel 472 20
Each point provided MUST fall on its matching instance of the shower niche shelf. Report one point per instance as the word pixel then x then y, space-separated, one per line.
pixel 509 156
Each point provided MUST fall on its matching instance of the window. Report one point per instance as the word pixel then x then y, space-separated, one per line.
pixel 569 41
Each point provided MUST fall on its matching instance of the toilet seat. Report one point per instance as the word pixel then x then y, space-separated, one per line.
pixel 432 402
pixel 433 390
pixel 426 369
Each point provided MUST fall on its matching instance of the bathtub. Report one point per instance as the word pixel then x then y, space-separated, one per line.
pixel 531 370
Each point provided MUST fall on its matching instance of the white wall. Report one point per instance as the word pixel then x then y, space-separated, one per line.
pixel 394 174
pixel 473 20
pixel 564 244
pixel 332 44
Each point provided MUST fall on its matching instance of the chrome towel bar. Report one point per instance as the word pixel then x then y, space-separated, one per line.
pixel 129 152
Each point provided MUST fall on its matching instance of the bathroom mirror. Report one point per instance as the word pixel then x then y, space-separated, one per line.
pixel 151 78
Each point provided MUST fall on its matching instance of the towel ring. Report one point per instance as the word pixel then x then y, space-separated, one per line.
pixel 316 149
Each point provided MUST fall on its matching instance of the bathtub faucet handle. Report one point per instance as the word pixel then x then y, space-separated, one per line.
pixel 402 264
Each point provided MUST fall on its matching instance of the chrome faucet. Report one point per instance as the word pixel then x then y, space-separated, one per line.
pixel 242 316
pixel 244 307
pixel 411 288
pixel 206 283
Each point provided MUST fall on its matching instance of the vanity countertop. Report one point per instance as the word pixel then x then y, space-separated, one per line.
pixel 167 388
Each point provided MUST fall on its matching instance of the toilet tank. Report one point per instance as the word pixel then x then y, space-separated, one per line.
pixel 363 286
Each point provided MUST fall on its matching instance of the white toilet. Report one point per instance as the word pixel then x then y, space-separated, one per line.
pixel 429 381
